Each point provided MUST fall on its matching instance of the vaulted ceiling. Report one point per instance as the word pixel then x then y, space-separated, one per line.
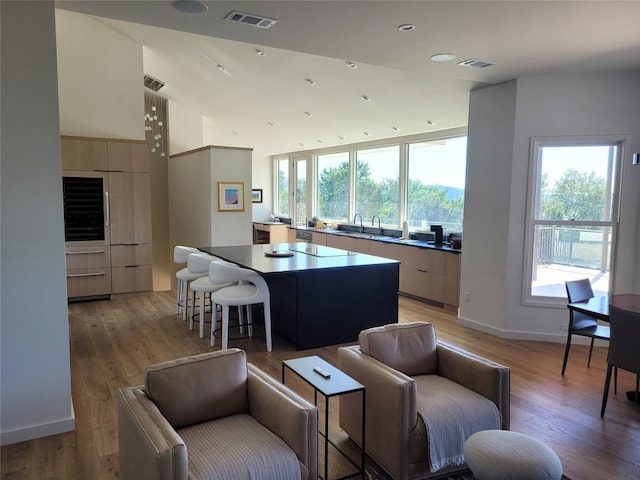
pixel 293 86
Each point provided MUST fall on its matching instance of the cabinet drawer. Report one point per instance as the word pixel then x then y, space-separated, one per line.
pixel 425 259
pixel 422 284
pixel 87 282
pixel 88 256
pixel 131 279
pixel 318 238
pixel 130 255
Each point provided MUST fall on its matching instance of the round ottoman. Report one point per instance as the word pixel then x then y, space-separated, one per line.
pixel 506 455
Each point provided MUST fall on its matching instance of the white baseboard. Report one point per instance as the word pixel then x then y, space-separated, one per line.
pixel 37 431
pixel 513 334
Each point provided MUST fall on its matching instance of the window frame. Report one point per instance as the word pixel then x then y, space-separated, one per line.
pixel 532 222
pixel 276 185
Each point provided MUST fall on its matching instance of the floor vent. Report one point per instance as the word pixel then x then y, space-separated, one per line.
pixel 153 83
pixel 250 19
pixel 472 62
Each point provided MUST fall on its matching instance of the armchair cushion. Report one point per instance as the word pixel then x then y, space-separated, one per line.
pixel 192 390
pixel 409 348
pixel 238 447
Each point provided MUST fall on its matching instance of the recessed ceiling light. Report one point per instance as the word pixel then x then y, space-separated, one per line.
pixel 310 82
pixel 260 52
pixel 319 141
pixel 366 133
pixel 395 129
pixel 406 27
pixel 351 65
pixel 340 137
pixel 366 98
pixel 430 122
pixel 189 6
pixel 443 57
pixel 271 124
pixel 308 114
pixel 301 144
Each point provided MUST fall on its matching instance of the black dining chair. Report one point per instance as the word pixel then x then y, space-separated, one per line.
pixel 579 323
pixel 623 348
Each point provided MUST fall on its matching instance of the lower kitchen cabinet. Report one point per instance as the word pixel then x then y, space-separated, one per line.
pixel 88 271
pixel 131 279
pixel 131 268
pixel 319 238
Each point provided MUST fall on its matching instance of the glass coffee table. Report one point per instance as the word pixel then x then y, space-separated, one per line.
pixel 330 382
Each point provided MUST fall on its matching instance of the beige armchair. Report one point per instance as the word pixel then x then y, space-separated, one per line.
pixel 215 416
pixel 423 399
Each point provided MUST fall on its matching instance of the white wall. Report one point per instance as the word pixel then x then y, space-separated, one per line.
pixel 596 104
pixel 487 191
pixel 194 219
pixel 100 79
pixel 231 227
pixel 185 129
pixel 261 168
pixel 35 377
pixel 262 174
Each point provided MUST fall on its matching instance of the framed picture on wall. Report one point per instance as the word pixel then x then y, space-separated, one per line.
pixel 231 196
pixel 256 195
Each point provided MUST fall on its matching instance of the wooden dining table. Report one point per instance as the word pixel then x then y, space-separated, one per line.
pixel 598 307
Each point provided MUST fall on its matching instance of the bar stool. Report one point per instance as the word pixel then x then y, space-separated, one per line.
pixel 251 289
pixel 198 263
pixel 180 256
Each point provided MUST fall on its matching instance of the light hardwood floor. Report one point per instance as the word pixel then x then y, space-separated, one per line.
pixel 113 341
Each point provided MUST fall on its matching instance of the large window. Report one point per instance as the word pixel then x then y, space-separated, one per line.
pixel 572 208
pixel 377 184
pixel 333 186
pixel 435 191
pixel 282 187
pixel 420 180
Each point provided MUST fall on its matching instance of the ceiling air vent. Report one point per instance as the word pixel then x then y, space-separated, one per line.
pixel 472 62
pixel 250 19
pixel 153 83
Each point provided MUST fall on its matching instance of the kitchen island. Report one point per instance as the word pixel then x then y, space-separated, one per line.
pixel 321 295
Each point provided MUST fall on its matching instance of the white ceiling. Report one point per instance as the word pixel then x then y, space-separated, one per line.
pixel 314 40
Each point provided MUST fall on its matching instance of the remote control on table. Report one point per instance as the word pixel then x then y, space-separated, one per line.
pixel 321 372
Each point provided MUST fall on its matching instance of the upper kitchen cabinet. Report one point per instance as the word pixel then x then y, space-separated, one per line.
pixel 84 154
pixel 128 157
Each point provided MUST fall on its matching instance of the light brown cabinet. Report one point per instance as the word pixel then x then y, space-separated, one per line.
pixel 131 268
pixel 130 208
pixel 84 154
pixel 88 270
pixel 342 242
pixel 319 238
pixel 128 216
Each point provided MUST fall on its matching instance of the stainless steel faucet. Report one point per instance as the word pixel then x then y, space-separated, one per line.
pixel 354 221
pixel 379 226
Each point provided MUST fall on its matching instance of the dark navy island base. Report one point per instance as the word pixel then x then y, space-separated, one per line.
pixel 321 295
